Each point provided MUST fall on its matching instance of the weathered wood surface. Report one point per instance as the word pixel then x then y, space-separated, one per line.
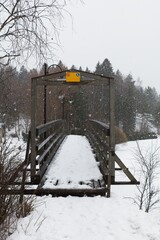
pixel 59 192
pixel 96 188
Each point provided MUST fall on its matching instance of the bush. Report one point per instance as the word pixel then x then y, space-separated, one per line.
pixel 10 207
pixel 26 207
pixel 8 203
pixel 120 136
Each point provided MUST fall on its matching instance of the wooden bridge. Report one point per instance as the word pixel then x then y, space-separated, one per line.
pixel 45 139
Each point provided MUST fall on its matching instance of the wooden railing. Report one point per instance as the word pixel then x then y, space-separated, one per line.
pixel 49 136
pixel 98 134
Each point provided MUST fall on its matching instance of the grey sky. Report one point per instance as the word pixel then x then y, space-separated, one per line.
pixel 127 32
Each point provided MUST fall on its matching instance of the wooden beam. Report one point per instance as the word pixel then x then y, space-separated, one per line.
pixel 17 183
pixel 62 74
pixel 125 183
pixel 33 127
pixel 111 175
pixel 125 170
pixel 102 126
pixel 44 142
pixel 51 76
pixel 47 151
pixel 58 192
pixel 52 82
pixel 44 127
pixel 17 171
pixel 43 168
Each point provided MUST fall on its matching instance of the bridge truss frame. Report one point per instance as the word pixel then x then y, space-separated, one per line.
pixel 58 78
pixel 29 164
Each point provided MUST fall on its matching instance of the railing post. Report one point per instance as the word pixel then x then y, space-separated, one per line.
pixel 33 128
pixel 111 176
pixel 45 95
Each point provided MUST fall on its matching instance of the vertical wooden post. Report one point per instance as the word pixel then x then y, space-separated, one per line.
pixel 33 128
pixel 45 95
pixel 111 176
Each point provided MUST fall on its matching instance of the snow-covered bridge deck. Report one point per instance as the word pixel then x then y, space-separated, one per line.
pixel 74 169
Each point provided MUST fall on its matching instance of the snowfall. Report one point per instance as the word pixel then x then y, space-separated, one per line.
pixel 90 218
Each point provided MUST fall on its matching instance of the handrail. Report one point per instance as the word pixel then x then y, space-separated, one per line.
pixel 44 127
pixel 101 125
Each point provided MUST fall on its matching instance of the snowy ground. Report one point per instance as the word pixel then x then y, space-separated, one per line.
pixel 97 218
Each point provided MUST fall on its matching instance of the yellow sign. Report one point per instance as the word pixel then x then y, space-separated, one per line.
pixel 72 77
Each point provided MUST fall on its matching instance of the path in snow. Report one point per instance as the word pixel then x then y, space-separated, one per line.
pixel 73 163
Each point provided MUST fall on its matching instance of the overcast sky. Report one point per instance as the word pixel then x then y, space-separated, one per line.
pixel 127 32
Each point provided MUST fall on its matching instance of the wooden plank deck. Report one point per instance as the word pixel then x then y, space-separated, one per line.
pixel 94 188
pixel 59 192
pixel 74 171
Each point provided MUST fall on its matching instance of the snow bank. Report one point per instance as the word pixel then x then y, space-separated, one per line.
pixel 87 218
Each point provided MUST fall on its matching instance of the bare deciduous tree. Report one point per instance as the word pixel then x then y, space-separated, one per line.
pixel 148 162
pixel 29 28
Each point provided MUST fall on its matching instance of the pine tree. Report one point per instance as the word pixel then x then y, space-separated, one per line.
pixel 150 100
pixel 106 68
pixel 73 67
pixel 118 98
pixel 61 65
pixel 23 74
pixel 139 97
pixel 87 70
pixel 98 68
pixel 156 115
pixel 129 105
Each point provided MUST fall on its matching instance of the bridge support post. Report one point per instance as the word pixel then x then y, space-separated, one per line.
pixel 33 128
pixel 111 175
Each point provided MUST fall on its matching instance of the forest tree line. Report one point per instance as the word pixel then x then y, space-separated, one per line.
pixel 75 104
